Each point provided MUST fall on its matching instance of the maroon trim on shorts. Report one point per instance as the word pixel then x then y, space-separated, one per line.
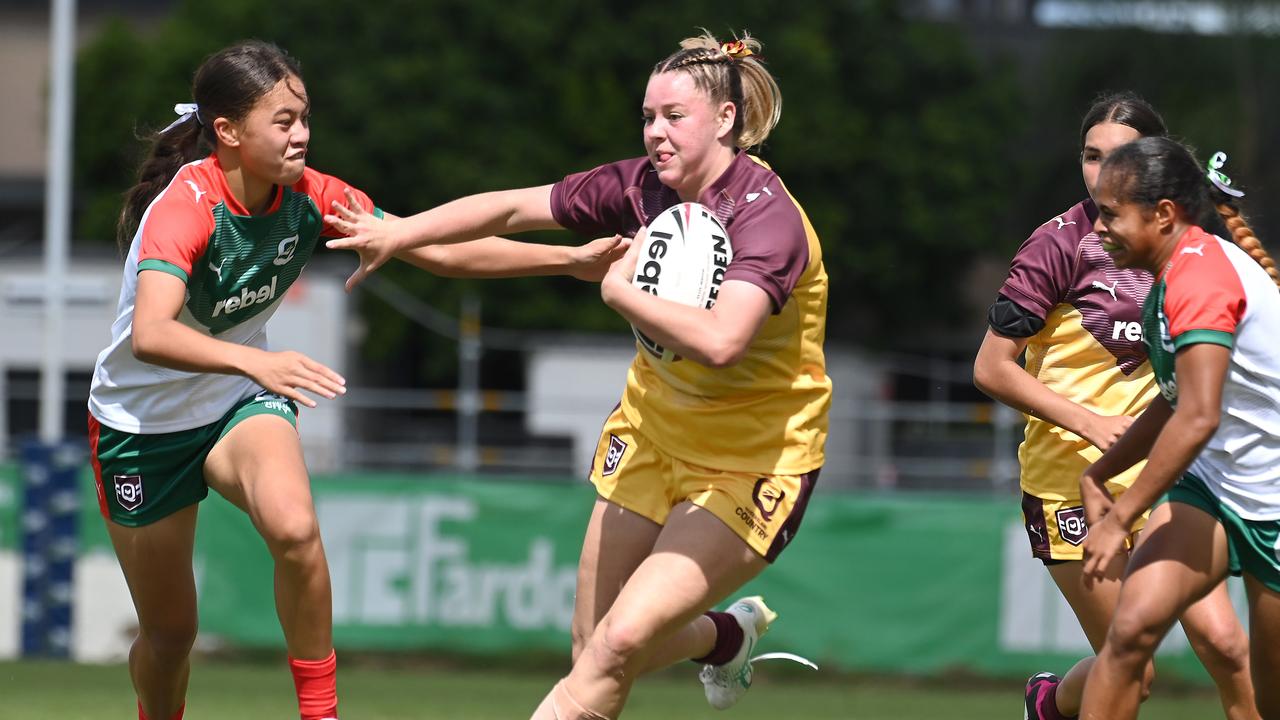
pixel 592 470
pixel 1037 530
pixel 788 531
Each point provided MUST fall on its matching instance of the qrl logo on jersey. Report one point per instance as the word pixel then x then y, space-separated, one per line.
pixel 247 297
pixel 1071 525
pixel 129 491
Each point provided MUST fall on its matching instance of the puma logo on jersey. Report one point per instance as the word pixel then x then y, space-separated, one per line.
pixel 284 252
pixel 1109 288
pixel 751 196
pixel 1197 250
pixel 1062 223
pixel 195 189
pixel 218 268
pixel 247 297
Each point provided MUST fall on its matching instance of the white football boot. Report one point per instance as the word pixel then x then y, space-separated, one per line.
pixel 725 684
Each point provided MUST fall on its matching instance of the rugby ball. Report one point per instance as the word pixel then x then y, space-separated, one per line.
pixel 683 258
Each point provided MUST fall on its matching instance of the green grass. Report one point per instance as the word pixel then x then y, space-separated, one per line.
pixel 247 691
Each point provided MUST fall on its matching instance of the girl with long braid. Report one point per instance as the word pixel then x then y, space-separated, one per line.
pixel 1075 315
pixel 1212 436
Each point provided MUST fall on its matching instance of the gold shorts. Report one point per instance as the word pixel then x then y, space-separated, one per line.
pixel 631 472
pixel 1057 528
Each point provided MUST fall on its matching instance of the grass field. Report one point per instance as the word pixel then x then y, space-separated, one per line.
pixel 249 691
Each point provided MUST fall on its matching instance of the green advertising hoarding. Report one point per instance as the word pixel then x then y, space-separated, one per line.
pixel 882 583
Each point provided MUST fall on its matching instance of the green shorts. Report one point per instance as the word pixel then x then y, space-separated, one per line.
pixel 144 478
pixel 1253 546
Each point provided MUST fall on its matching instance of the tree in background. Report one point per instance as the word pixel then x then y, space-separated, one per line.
pixel 892 132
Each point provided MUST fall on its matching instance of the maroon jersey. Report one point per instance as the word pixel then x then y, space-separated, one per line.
pixel 768 413
pixel 1090 349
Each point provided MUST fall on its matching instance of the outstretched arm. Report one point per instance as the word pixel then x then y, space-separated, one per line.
pixel 469 218
pixel 495 257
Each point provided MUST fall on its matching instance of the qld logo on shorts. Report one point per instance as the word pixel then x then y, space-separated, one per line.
pixel 766 496
pixel 1071 525
pixel 613 456
pixel 129 491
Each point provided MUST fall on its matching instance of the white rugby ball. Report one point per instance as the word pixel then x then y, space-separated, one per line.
pixel 683 257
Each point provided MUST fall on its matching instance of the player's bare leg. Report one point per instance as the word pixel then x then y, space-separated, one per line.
pixel 1093 608
pixel 1219 640
pixel 156 560
pixel 258 466
pixel 1174 566
pixel 696 562
pixel 1264 628
pixel 617 541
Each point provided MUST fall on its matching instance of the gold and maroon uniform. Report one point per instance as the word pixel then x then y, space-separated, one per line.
pixel 1090 351
pixel 745 442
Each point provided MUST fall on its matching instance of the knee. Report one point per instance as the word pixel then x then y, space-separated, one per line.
pixel 1223 650
pixel 617 644
pixel 1132 639
pixel 169 640
pixel 294 536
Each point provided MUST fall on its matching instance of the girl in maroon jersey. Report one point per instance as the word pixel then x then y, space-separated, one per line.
pixel 1077 317
pixel 704 471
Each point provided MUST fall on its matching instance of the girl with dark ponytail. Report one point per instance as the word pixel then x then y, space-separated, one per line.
pixel 1210 438
pixel 1076 316
pixel 187 397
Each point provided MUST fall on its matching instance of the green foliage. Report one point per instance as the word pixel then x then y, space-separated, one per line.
pixel 887 136
pixel 1214 93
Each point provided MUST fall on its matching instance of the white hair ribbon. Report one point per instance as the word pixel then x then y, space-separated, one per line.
pixel 1220 180
pixel 185 112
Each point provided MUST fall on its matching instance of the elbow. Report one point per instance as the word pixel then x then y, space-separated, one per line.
pixel 143 346
pixel 1204 424
pixel 724 354
pixel 982 378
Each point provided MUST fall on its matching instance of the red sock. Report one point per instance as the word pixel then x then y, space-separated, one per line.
pixel 317 684
pixel 176 716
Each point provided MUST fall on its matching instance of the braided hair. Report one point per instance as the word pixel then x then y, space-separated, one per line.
pixel 731 72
